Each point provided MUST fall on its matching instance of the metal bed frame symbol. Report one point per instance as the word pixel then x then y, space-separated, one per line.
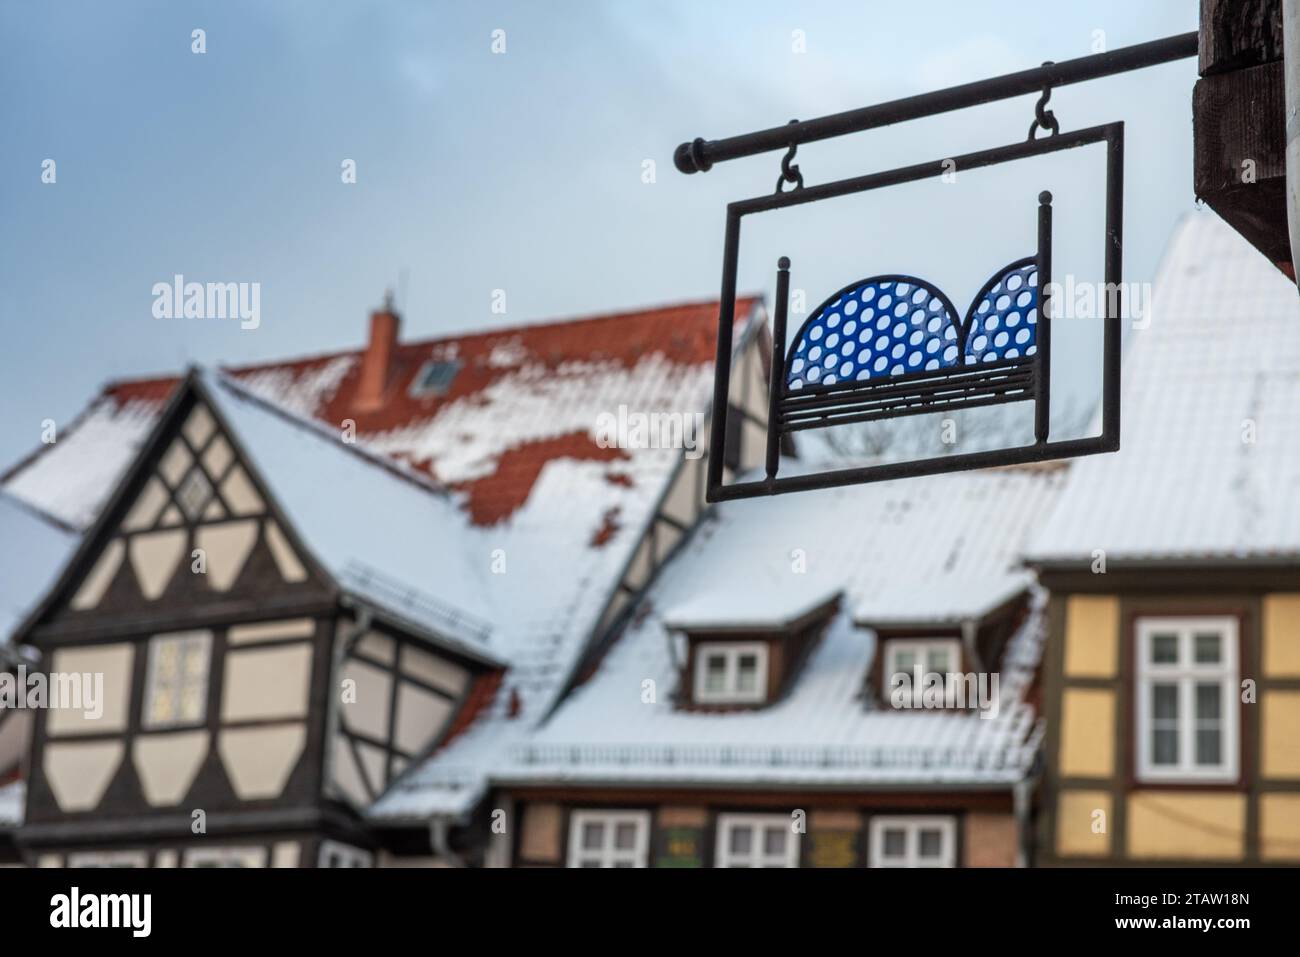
pixel 892 346
pixel 895 345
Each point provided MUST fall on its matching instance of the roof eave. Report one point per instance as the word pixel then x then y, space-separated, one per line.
pixel 354 600
pixel 750 784
pixel 954 620
pixel 807 615
pixel 1179 562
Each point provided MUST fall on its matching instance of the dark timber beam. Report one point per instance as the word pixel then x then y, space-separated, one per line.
pixel 1238 121
pixel 1239 33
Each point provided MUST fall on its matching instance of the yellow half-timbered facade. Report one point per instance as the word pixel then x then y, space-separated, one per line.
pixel 1172 676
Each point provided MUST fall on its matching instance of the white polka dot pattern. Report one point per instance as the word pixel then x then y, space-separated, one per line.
pixel 1004 323
pixel 882 327
pixel 891 325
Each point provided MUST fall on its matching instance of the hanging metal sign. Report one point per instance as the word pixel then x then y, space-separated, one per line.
pixel 895 345
pixel 889 346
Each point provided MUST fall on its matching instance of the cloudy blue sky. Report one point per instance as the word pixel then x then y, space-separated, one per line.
pixel 523 171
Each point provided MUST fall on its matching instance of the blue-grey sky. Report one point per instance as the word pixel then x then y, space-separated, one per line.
pixel 522 171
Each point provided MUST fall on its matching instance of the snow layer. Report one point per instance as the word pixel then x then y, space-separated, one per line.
pixel 932 537
pixel 1210 456
pixel 938 549
pixel 73 478
pixel 360 514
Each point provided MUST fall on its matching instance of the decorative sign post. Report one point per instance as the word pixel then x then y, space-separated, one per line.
pixel 889 346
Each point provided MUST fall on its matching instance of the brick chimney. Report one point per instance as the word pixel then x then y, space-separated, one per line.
pixel 377 361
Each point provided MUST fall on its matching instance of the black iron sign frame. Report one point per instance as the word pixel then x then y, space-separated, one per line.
pixel 961 371
pixel 921 393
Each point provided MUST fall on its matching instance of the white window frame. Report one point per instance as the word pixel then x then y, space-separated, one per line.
pixel 338 854
pixel 228 856
pixel 608 855
pixel 1186 674
pixel 912 826
pixel 921 649
pixel 726 823
pixel 199 639
pixel 109 859
pixel 732 652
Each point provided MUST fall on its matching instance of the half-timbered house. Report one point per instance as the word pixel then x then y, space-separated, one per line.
pixel 34 551
pixel 749 715
pixel 298 582
pixel 408 605
pixel 1172 678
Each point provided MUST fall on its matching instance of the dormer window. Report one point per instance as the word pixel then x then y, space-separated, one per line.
pixel 932 656
pixel 731 672
pixel 734 658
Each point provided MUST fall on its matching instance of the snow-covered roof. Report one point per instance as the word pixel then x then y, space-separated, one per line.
pixel 932 536
pixel 490 505
pixel 72 478
pixel 824 733
pixel 34 552
pixel 931 551
pixel 772 609
pixel 1210 439
pixel 520 400
pixel 358 511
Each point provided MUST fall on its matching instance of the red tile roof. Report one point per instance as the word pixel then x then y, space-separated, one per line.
pixel 685 334
pixel 498 495
pixel 523 361
pixel 480 697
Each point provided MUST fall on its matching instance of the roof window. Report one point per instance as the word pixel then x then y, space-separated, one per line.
pixel 435 377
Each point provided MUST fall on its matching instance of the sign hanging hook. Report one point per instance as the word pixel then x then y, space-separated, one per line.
pixel 789 174
pixel 1043 117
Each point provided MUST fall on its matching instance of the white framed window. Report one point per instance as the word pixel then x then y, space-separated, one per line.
pixel 756 840
pixel 933 656
pixel 609 839
pixel 109 859
pixel 176 687
pixel 1187 712
pixel 336 854
pixel 731 672
pixel 225 857
pixel 914 841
